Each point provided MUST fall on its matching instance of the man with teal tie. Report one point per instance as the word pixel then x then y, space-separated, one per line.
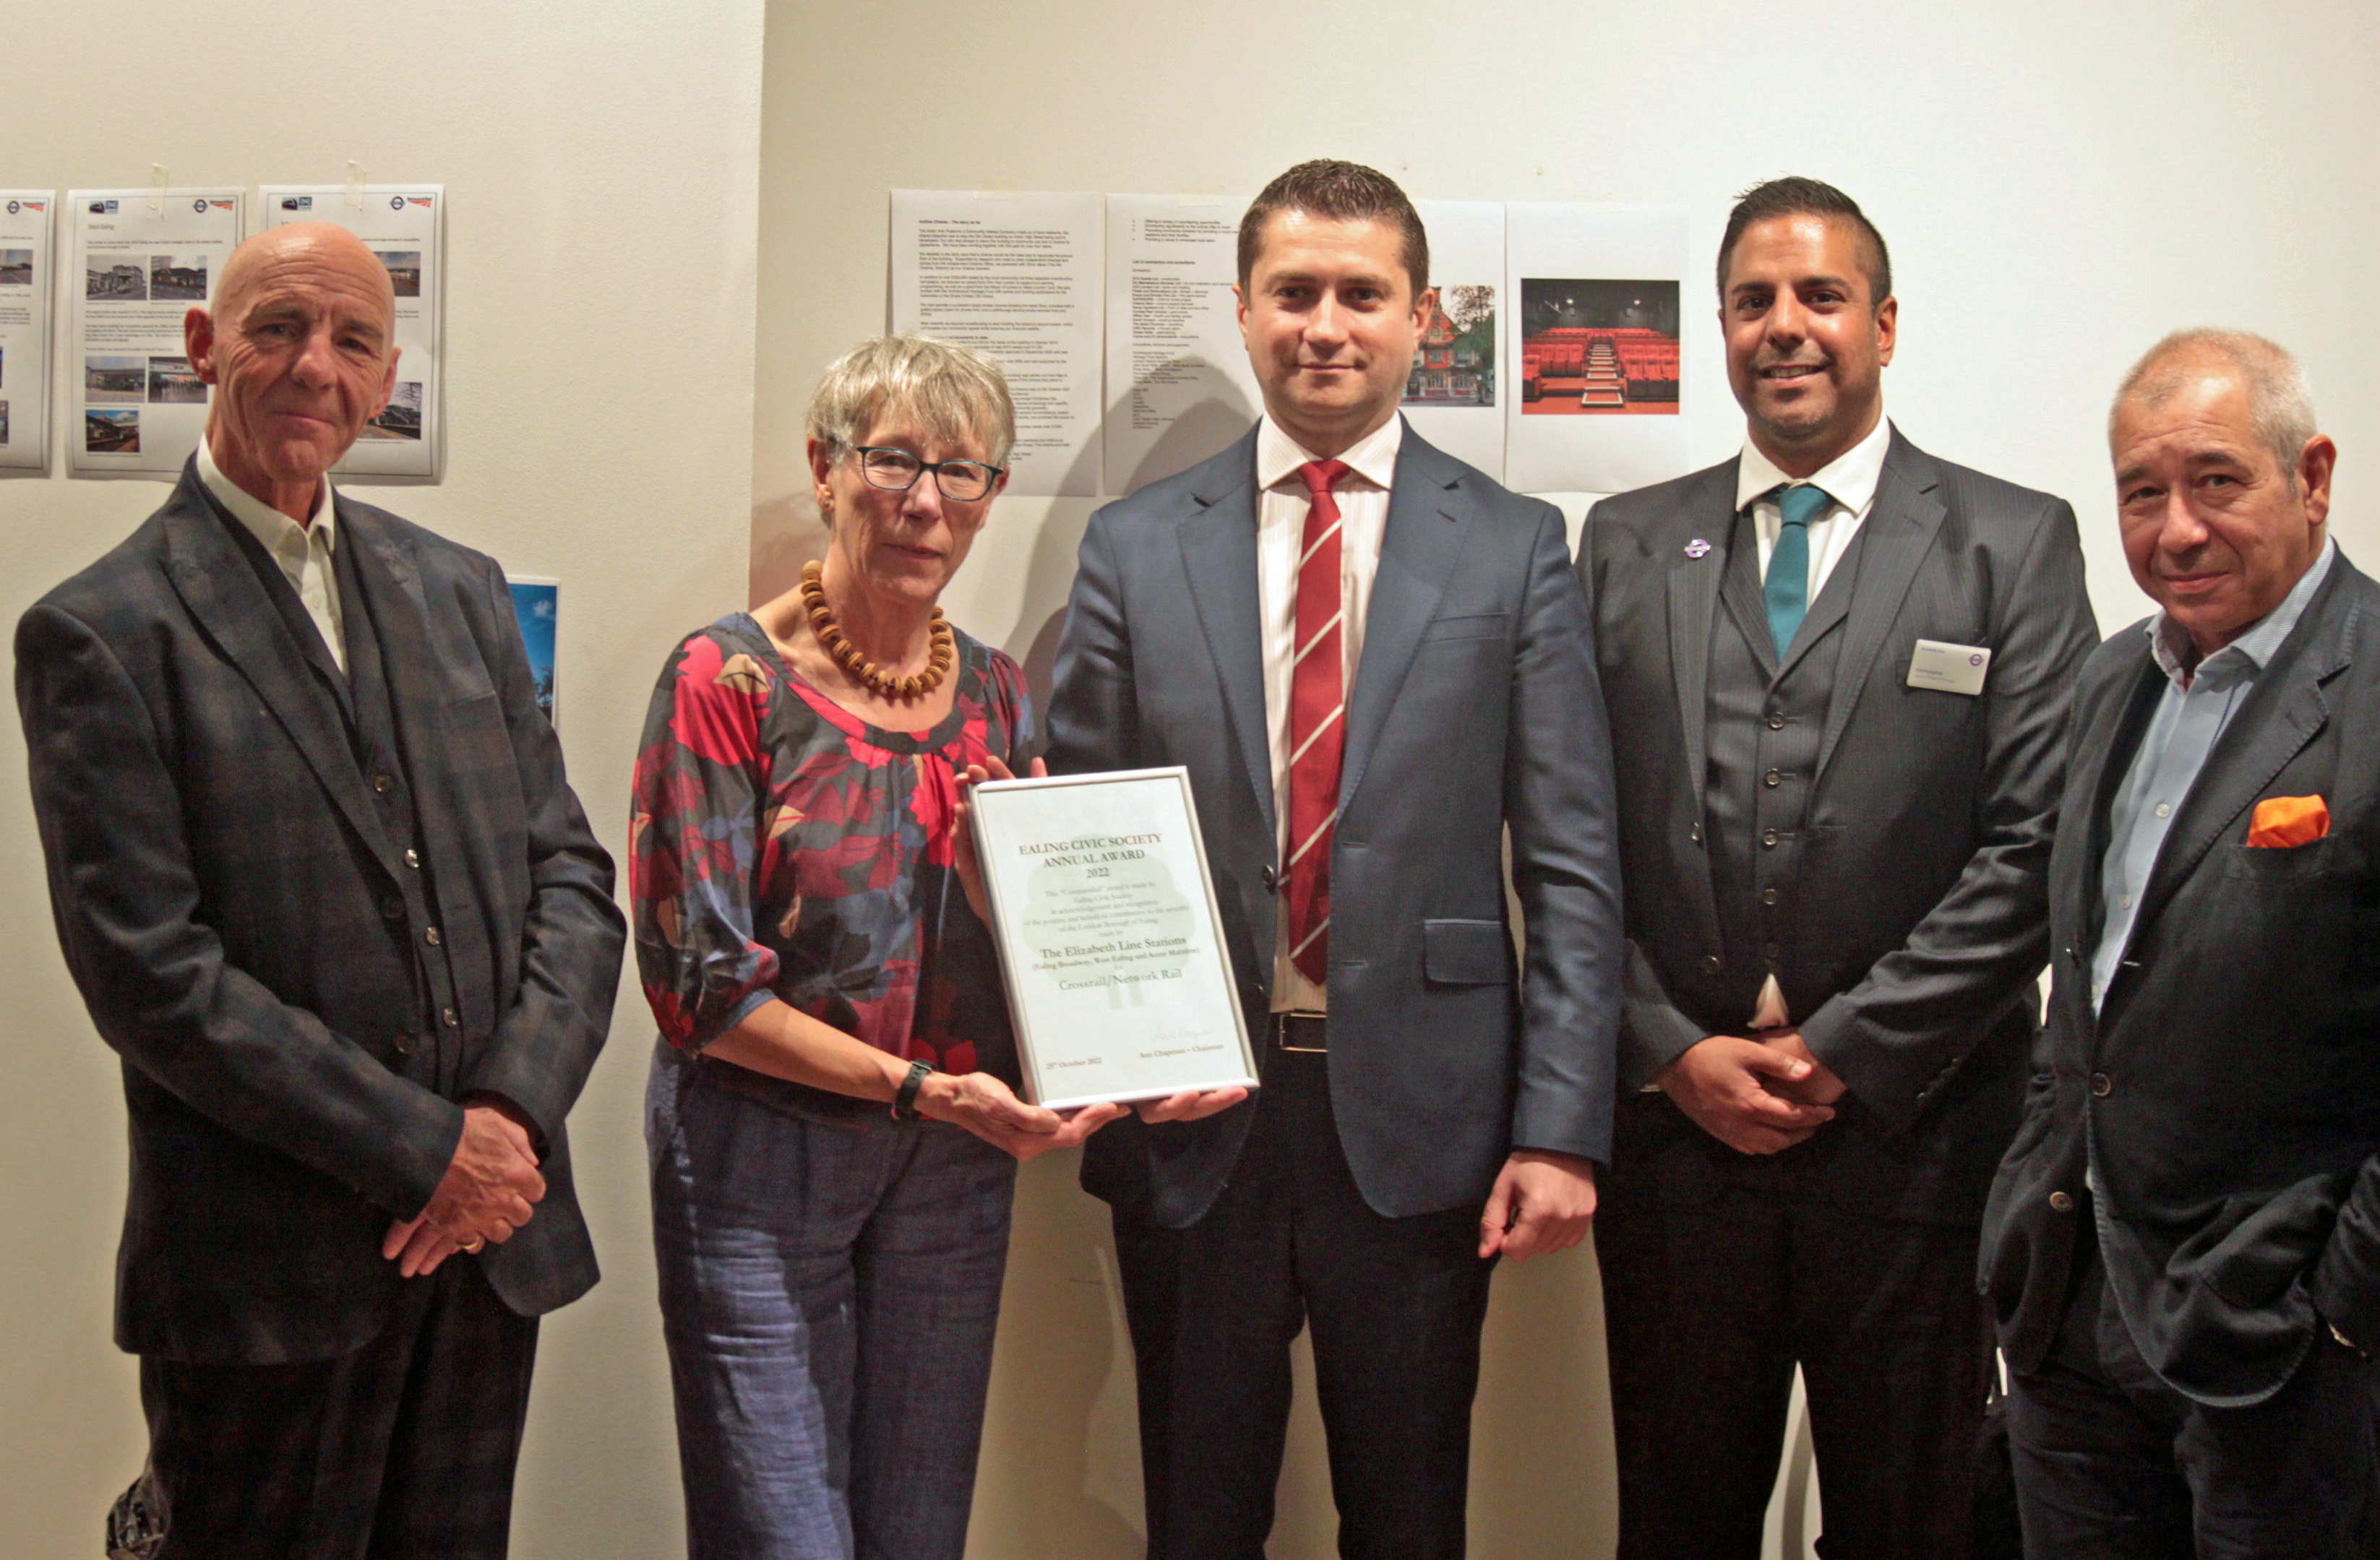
pixel 1836 669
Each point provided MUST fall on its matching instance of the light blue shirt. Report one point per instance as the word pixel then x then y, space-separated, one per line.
pixel 2189 717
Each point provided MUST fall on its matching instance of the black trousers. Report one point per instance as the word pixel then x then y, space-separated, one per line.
pixel 1709 1307
pixel 402 1449
pixel 1395 1306
pixel 2111 1464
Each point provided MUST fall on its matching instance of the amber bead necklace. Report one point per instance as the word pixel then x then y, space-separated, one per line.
pixel 944 643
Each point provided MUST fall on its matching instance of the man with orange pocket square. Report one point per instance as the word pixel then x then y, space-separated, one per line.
pixel 2183 1243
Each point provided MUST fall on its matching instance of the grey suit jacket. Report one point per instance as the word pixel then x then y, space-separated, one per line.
pixel 247 935
pixel 2226 1096
pixel 1475 710
pixel 1922 923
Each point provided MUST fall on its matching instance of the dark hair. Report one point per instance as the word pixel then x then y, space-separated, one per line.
pixel 1343 192
pixel 1793 196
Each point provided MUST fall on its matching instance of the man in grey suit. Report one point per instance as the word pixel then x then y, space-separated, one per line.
pixel 2184 1243
pixel 318 873
pixel 1374 662
pixel 1836 669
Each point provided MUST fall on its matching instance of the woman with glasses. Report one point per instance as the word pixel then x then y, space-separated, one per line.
pixel 832 1114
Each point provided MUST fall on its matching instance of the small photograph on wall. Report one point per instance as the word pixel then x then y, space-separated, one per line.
pixel 1456 363
pixel 111 434
pixel 16 268
pixel 3 425
pixel 108 280
pixel 172 382
pixel 404 271
pixel 401 419
pixel 112 380
pixel 177 278
pixel 1599 347
pixel 536 602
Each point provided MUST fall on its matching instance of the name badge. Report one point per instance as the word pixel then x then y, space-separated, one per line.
pixel 1949 668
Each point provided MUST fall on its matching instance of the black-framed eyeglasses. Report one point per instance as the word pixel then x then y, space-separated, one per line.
pixel 897 471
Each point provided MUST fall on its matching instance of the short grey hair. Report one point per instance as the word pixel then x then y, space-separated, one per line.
pixel 955 393
pixel 2279 406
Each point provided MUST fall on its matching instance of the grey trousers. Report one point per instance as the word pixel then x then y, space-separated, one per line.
pixel 828 1295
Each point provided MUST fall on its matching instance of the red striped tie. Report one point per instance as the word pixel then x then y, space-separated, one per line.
pixel 1318 732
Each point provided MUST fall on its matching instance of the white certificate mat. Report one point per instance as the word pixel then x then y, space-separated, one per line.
pixel 1108 931
pixel 25 289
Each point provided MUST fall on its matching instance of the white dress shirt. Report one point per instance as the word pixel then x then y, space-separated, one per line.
pixel 1363 496
pixel 1849 480
pixel 303 551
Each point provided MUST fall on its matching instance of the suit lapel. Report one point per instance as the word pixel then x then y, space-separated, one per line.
pixel 219 587
pixel 1218 554
pixel 1695 583
pixel 391 577
pixel 2092 776
pixel 1418 546
pixel 1897 536
pixel 2280 715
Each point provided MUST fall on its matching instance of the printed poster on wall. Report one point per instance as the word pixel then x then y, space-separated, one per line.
pixel 1179 386
pixel 1596 292
pixel 538 604
pixel 403 225
pixel 1018 277
pixel 140 259
pixel 25 295
pixel 1451 397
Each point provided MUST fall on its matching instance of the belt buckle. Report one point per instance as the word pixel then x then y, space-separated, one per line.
pixel 1289 1028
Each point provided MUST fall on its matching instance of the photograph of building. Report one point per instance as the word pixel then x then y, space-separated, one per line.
pixel 404 271
pixel 1456 365
pixel 115 284
pixel 1598 347
pixel 4 423
pixel 16 268
pixel 401 419
pixel 178 276
pixel 111 434
pixel 114 382
pixel 172 383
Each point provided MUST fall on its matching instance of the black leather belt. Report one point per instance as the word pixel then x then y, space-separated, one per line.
pixel 1299 1031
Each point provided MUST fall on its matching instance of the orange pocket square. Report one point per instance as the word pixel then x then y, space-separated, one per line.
pixel 2284 821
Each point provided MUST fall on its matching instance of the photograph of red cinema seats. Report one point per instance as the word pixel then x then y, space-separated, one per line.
pixel 1599 347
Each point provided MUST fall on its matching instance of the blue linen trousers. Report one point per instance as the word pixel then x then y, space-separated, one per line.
pixel 828 1296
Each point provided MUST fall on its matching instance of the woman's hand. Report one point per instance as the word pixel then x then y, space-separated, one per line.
pixel 963 856
pixel 986 1107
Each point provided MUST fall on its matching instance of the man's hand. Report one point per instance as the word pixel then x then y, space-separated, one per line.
pixel 1191 1105
pixel 1821 1087
pixel 1722 1084
pixel 487 1193
pixel 1542 1203
pixel 986 1107
pixel 964 860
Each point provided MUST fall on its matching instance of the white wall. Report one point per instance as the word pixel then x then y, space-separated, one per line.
pixel 2060 183
pixel 601 161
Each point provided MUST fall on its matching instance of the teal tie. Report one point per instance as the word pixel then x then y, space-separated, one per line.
pixel 1787 590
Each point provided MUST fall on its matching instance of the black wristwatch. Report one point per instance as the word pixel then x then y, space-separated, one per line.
pixel 905 1102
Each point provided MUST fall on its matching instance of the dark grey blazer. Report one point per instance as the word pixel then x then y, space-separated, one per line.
pixel 2226 1094
pixel 1473 709
pixel 236 918
pixel 1922 925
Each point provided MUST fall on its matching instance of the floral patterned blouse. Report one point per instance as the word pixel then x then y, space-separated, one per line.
pixel 781 846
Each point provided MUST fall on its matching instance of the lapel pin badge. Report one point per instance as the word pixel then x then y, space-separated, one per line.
pixel 1696 548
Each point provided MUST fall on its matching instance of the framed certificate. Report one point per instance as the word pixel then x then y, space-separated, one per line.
pixel 1106 921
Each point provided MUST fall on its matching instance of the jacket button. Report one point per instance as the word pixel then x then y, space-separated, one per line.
pixel 1271 878
pixel 1772 780
pixel 2102 1086
pixel 382 783
pixel 1771 952
pixel 404 1044
pixel 1711 964
pixel 431 937
pixel 2061 1201
pixel 413 860
pixel 1768 838
pixel 1776 720
pixel 393 907
pixel 1768 896
pixel 1695 831
pixel 447 1017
